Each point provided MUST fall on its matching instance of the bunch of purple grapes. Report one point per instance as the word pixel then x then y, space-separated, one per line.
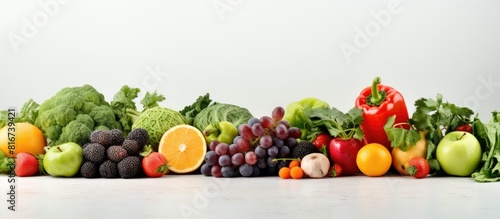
pixel 255 150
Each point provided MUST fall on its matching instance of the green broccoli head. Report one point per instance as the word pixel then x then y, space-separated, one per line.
pixel 74 131
pixel 73 113
pixel 103 116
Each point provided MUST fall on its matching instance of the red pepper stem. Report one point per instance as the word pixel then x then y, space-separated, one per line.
pixel 376 96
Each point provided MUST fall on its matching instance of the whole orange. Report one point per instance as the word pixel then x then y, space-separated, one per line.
pixel 374 159
pixel 28 138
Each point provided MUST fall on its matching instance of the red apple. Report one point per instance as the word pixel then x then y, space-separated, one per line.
pixel 344 152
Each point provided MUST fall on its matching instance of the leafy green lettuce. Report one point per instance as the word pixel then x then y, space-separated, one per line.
pixel 6 164
pixel 488 136
pixel 218 112
pixel 28 113
pixel 192 110
pixel 335 122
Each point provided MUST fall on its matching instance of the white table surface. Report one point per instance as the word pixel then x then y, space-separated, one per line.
pixel 197 196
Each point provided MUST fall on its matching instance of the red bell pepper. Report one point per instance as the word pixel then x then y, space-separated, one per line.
pixel 378 103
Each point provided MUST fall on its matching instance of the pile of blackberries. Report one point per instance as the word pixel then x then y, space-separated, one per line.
pixel 110 155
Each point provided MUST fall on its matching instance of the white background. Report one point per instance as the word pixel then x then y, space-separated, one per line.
pixel 257 54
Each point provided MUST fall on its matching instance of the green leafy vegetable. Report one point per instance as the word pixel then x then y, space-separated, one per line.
pixel 399 137
pixel 191 111
pixel 438 118
pixel 335 122
pixel 125 108
pixel 157 121
pixel 6 164
pixel 489 137
pixel 218 112
pixel 4 119
pixel 151 100
pixel 294 113
pixel 41 169
pixel 28 113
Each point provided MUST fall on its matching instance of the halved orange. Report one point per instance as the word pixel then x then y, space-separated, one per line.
pixel 185 147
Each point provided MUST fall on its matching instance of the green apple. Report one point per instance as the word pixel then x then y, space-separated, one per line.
pixel 459 153
pixel 63 160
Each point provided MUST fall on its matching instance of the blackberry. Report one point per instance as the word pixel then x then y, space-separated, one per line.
pixel 85 145
pixel 303 148
pixel 131 146
pixel 108 169
pixel 129 167
pixel 102 137
pixel 116 153
pixel 117 136
pixel 89 170
pixel 140 135
pixel 94 152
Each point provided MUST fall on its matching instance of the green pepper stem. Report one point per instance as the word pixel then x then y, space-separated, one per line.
pixel 375 92
pixel 210 131
pixel 377 96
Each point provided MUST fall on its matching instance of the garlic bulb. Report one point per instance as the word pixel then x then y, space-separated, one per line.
pixel 315 165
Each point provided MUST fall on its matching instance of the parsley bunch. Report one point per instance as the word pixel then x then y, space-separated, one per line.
pixel 436 118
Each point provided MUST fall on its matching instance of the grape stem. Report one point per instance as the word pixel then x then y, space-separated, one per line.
pixel 285 159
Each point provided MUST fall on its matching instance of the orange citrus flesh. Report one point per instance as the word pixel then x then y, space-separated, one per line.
pixel 185 147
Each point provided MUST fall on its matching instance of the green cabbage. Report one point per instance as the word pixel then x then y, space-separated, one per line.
pixel 157 121
pixel 218 112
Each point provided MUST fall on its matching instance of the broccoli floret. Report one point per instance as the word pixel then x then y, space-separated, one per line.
pixel 85 120
pixel 73 113
pixel 74 131
pixel 103 116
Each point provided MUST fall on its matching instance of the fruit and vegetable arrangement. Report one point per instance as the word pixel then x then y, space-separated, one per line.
pixel 77 133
